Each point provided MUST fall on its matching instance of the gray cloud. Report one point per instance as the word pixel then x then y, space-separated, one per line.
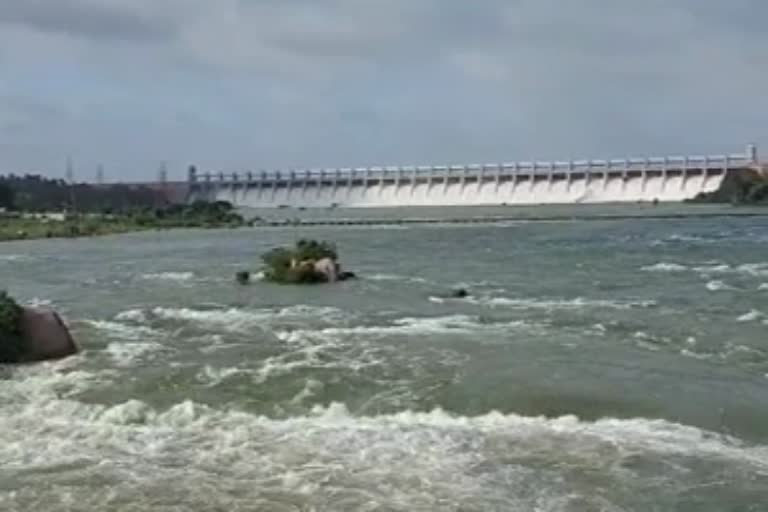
pixel 348 82
pixel 98 20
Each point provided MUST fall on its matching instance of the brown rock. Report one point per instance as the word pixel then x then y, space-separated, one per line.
pixel 45 336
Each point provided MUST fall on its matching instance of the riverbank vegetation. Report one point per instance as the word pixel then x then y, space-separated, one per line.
pixel 26 225
pixel 742 188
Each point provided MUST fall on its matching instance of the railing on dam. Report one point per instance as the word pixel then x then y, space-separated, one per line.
pixel 527 170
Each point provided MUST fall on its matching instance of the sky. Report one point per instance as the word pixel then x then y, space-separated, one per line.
pixel 233 85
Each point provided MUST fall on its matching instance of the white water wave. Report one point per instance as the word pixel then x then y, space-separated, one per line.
pixel 715 268
pixel 125 331
pixel 717 286
pixel 751 316
pixel 131 315
pixel 237 319
pixel 213 376
pixel 37 302
pixel 453 324
pixel 395 277
pixel 169 276
pixel 329 458
pixel 126 354
pixel 665 267
pixel 333 435
pixel 552 304
pixel 750 269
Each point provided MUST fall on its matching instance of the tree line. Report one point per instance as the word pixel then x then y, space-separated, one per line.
pixel 35 193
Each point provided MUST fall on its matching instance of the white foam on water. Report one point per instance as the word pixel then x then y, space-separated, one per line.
pixel 237 319
pixel 749 269
pixel 716 286
pixel 695 355
pixel 456 324
pixel 665 267
pixel 326 459
pixel 754 269
pixel 213 376
pixel 751 316
pixel 132 315
pixel 126 354
pixel 763 287
pixel 125 331
pixel 395 277
pixel 37 302
pixel 310 389
pixel 230 319
pixel 10 258
pixel 553 304
pixel 332 459
pixel 169 276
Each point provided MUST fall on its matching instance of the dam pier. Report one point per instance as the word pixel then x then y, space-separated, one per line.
pixel 650 179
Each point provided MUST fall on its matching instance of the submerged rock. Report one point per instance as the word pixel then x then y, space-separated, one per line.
pixel 328 269
pixel 459 293
pixel 243 277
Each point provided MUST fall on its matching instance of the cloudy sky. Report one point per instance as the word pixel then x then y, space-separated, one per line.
pixel 250 84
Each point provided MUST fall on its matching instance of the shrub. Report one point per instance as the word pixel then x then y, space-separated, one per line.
pixel 758 193
pixel 10 329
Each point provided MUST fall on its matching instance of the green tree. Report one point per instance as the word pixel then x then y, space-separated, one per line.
pixel 7 196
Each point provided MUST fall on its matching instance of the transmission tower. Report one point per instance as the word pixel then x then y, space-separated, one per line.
pixel 162 174
pixel 70 173
pixel 100 175
pixel 162 179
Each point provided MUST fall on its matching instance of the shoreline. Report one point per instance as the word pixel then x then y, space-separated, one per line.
pixel 27 229
pixel 19 231
pixel 298 223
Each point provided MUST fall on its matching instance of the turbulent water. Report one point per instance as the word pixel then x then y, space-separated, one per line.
pixel 598 366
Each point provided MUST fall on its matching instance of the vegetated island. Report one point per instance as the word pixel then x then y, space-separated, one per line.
pixel 308 262
pixel 746 188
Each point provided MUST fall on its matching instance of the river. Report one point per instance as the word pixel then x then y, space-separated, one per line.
pixel 599 365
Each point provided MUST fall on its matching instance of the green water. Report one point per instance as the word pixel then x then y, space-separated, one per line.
pixel 598 365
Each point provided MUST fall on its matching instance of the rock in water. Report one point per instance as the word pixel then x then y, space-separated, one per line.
pixel 328 268
pixel 45 336
pixel 243 277
pixel 461 293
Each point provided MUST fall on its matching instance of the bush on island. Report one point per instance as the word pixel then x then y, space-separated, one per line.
pixel 11 340
pixel 308 262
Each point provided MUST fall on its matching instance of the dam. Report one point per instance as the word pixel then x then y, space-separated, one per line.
pixel 650 179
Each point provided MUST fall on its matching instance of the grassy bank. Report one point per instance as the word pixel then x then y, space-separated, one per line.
pixel 20 226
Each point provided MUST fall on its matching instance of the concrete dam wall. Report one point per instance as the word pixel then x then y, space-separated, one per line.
pixel 668 179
